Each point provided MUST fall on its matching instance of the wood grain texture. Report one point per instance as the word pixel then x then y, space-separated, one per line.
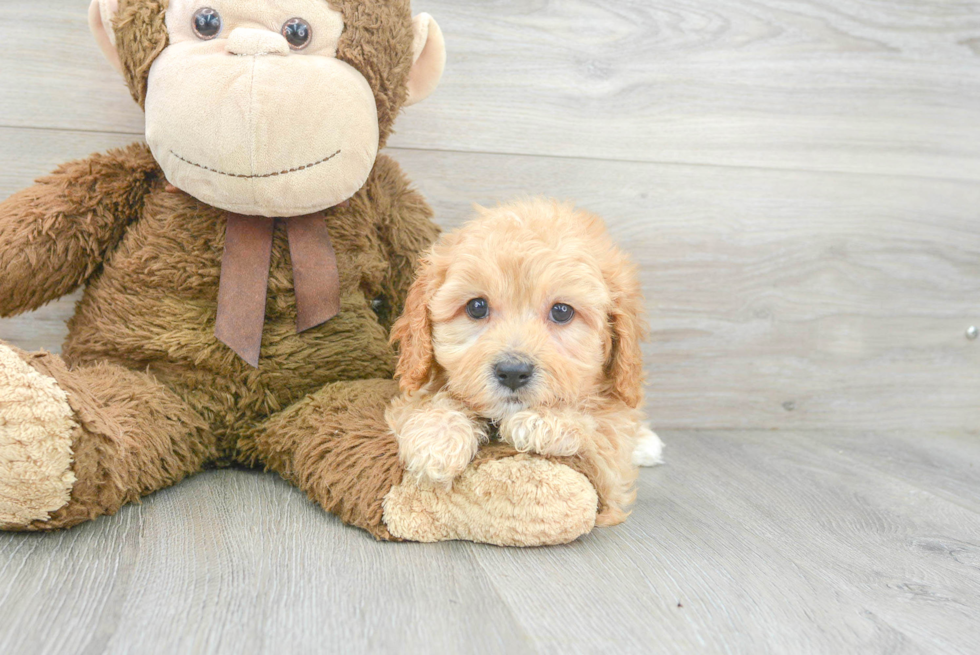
pixel 776 298
pixel 797 179
pixel 855 85
pixel 761 542
pixel 745 542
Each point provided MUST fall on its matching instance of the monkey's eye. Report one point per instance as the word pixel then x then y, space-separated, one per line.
pixel 478 308
pixel 297 32
pixel 562 313
pixel 207 23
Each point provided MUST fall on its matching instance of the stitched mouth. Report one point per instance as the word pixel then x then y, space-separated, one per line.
pixel 252 177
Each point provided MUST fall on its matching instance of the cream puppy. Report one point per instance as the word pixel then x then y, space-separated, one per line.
pixel 527 321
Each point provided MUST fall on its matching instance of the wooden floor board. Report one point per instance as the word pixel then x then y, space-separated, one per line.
pixel 745 542
pixel 856 86
pixel 872 536
pixel 950 471
pixel 234 561
pixel 767 543
pixel 797 180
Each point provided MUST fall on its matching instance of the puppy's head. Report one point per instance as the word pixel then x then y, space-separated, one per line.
pixel 530 304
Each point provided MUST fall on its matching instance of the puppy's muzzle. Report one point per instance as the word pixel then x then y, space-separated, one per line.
pixel 513 373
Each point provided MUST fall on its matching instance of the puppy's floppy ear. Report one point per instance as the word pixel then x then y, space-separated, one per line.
pixel 625 364
pixel 413 330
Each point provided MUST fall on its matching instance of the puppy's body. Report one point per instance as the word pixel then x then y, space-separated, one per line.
pixel 528 321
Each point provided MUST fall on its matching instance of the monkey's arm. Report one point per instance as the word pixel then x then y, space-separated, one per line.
pixel 55 234
pixel 405 228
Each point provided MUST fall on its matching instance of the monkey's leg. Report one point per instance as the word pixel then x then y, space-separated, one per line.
pixel 79 443
pixel 336 446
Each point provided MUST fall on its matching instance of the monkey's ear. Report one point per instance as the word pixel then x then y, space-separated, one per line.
pixel 429 57
pixel 100 15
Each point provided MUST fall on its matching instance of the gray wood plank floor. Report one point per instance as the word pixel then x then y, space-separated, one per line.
pixel 798 181
pixel 753 542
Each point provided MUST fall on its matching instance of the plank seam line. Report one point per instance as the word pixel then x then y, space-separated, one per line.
pixel 814 444
pixel 651 162
pixel 473 551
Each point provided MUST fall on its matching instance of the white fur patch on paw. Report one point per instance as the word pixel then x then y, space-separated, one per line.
pixel 36 425
pixel 649 449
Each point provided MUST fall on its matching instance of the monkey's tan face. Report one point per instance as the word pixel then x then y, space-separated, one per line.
pixel 249 110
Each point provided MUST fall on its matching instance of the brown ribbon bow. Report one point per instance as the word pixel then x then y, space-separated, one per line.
pixel 245 278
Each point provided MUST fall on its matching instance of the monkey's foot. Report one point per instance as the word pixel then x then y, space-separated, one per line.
pixel 36 427
pixel 513 501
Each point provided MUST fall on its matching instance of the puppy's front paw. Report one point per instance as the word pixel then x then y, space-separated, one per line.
pixel 546 433
pixel 436 444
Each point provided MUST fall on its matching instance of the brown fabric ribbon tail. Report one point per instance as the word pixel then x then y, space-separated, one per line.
pixel 244 282
pixel 316 280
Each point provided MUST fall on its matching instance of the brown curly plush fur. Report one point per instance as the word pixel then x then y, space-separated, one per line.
pixel 59 232
pixel 155 397
pixel 141 35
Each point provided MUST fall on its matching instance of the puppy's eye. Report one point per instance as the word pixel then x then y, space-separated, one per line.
pixel 206 23
pixel 477 308
pixel 297 32
pixel 562 313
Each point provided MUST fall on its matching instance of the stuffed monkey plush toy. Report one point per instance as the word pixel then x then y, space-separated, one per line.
pixel 243 269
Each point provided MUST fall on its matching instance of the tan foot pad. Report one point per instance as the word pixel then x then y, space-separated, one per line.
pixel 36 427
pixel 514 501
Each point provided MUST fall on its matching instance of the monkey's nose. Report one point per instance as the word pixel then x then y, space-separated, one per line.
pixel 246 42
pixel 513 373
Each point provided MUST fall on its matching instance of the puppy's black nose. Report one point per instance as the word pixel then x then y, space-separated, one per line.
pixel 513 373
